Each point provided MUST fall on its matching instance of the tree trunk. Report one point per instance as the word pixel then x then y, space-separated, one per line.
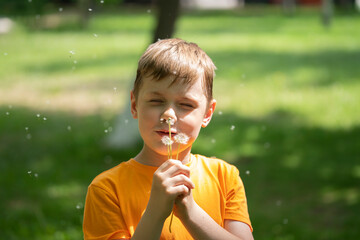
pixel 168 12
pixel 84 8
pixel 289 7
pixel 326 12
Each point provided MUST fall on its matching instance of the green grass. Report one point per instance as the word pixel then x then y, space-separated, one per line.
pixel 288 86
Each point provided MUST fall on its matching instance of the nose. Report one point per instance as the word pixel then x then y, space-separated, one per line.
pixel 169 113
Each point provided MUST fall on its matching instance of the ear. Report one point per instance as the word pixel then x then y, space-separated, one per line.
pixel 209 113
pixel 133 105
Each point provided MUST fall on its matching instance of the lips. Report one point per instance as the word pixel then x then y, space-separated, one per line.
pixel 166 132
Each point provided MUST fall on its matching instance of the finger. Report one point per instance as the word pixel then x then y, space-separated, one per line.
pixel 178 190
pixel 178 168
pixel 181 180
pixel 167 164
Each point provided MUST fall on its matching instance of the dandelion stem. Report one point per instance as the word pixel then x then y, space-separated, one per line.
pixel 171 220
pixel 169 123
pixel 177 154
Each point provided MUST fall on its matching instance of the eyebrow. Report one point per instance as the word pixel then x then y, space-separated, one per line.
pixel 161 95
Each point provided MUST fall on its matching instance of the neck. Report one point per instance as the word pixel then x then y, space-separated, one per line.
pixel 151 158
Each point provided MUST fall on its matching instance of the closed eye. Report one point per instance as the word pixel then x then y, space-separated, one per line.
pixel 188 105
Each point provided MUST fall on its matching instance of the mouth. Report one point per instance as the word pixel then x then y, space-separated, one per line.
pixel 163 133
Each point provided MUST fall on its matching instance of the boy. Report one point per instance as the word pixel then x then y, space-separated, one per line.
pixel 135 199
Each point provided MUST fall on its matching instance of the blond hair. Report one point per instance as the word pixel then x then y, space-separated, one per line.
pixel 185 61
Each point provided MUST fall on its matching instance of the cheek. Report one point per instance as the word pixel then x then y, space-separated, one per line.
pixel 192 125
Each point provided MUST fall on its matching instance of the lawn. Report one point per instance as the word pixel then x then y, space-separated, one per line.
pixel 287 116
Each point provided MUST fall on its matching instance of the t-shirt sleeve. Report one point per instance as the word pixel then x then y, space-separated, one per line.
pixel 102 216
pixel 236 204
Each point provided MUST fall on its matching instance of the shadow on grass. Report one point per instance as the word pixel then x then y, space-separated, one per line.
pixel 301 182
pixel 328 67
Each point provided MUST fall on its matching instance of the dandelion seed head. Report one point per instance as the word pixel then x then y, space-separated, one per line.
pixel 72 52
pixel 167 140
pixel 26 128
pixel 90 9
pixel 181 138
pixel 29 172
pixel 95 35
pixel 232 127
pixel 247 172
pixel 170 121
pixel 45 118
pixel 28 136
pixel 38 115
pixel 36 175
pixel 75 62
pixel 5 53
pixel 10 106
pixel 220 112
pixel 7 113
pixel 102 1
pixel 60 9
pixel 69 128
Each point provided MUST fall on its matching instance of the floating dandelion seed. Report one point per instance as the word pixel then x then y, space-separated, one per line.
pixel 90 9
pixel 79 206
pixel 232 127
pixel 60 9
pixel 102 1
pixel 220 112
pixel 106 131
pixel 247 172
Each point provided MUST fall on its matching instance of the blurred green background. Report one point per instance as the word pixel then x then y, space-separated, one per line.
pixel 288 110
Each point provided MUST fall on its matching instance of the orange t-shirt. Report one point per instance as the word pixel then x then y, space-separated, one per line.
pixel 117 198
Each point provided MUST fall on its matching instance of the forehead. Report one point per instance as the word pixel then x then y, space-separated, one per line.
pixel 167 85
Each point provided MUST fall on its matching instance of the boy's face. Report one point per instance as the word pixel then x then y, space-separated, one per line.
pixel 187 105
